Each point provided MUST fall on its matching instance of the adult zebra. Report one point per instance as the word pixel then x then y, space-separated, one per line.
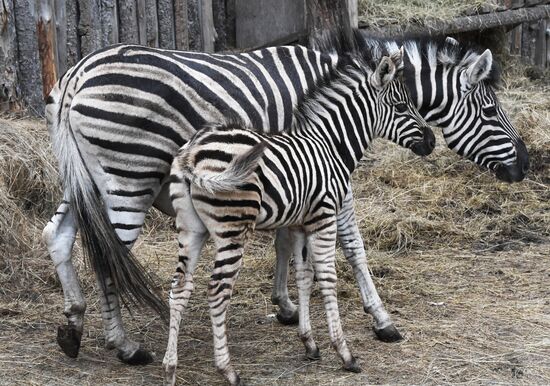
pixel 229 180
pixel 118 117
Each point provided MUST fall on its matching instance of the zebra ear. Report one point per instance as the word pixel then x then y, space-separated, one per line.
pixel 397 59
pixel 481 68
pixel 384 73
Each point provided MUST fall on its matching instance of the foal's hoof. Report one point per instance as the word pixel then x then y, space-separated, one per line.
pixel 288 320
pixel 313 354
pixel 352 366
pixel 138 358
pixel 68 338
pixel 388 334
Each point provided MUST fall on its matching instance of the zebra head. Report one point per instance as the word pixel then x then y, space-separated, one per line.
pixel 477 127
pixel 397 117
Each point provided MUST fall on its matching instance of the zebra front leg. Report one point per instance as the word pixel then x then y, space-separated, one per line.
pixel 59 236
pixel 304 282
pixel 288 312
pixel 323 251
pixel 354 250
pixel 226 269
pixel 191 238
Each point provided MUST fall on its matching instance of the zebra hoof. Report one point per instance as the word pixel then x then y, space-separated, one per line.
pixel 288 320
pixel 388 334
pixel 352 366
pixel 68 338
pixel 139 358
pixel 313 354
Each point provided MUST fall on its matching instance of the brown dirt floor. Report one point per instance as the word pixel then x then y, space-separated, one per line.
pixel 461 261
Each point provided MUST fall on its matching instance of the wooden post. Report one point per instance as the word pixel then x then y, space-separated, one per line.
pixel 109 22
pixel 180 21
pixel 208 33
pixel 128 21
pixel 353 13
pixel 61 36
pixel 141 22
pixel 8 58
pixel 30 78
pixel 165 11
pixel 152 23
pixel 89 27
pixel 73 42
pixel 46 46
pixel 540 47
pixel 327 15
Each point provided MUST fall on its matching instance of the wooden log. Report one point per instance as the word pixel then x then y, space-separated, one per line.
pixel 128 23
pixel 325 15
pixel 469 23
pixel 89 29
pixel 9 94
pixel 208 33
pixel 141 21
pixel 165 12
pixel 152 23
pixel 46 46
pixel 109 22
pixel 61 36
pixel 73 41
pixel 30 78
pixel 181 19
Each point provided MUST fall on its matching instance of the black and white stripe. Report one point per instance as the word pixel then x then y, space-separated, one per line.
pixel 227 181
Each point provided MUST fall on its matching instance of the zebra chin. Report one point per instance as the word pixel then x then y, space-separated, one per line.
pixel 426 145
pixel 517 171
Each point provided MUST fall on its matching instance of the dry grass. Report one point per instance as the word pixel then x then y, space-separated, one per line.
pixel 460 260
pixel 375 13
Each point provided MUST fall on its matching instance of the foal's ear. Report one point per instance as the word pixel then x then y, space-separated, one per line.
pixel 397 58
pixel 481 68
pixel 384 73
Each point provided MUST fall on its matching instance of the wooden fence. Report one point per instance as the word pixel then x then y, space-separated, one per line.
pixel 40 39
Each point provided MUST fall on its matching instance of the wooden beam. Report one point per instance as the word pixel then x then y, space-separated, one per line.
pixel 469 23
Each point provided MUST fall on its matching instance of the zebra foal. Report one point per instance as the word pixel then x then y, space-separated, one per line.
pixel 227 181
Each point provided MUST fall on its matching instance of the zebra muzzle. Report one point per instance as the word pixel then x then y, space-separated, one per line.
pixel 426 145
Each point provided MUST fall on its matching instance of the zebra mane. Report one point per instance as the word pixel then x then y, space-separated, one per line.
pixel 448 52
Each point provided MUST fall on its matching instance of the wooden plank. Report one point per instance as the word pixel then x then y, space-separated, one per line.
pixel 181 24
pixel 208 33
pixel 30 78
pixel 165 12
pixel 45 29
pixel 278 18
pixel 73 41
pixel 8 58
pixel 89 29
pixel 152 23
pixel 109 22
pixel 128 23
pixel 141 21
pixel 470 23
pixel 61 35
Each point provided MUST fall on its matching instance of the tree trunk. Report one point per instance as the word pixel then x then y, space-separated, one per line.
pixel 8 53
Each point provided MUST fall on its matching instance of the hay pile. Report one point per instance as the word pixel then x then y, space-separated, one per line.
pixel 375 14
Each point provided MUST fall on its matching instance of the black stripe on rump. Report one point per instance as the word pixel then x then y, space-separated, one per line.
pixel 212 154
pixel 133 174
pixel 127 193
pixel 233 203
pixel 131 148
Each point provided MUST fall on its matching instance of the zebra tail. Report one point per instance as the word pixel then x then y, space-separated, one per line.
pixel 234 176
pixel 106 253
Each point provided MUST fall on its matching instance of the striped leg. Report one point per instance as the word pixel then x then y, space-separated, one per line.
pixel 288 313
pixel 226 269
pixel 354 250
pixel 59 236
pixel 191 238
pixel 323 251
pixel 304 282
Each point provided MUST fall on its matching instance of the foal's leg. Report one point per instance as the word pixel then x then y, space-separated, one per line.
pixel 304 282
pixel 59 236
pixel 354 250
pixel 191 238
pixel 288 313
pixel 323 250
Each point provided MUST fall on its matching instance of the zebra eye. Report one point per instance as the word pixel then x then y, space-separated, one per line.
pixel 490 111
pixel 401 107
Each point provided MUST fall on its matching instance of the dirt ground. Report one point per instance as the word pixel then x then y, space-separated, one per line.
pixel 461 261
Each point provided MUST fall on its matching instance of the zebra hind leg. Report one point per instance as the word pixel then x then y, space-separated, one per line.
pixel 323 250
pixel 192 235
pixel 59 237
pixel 288 312
pixel 304 282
